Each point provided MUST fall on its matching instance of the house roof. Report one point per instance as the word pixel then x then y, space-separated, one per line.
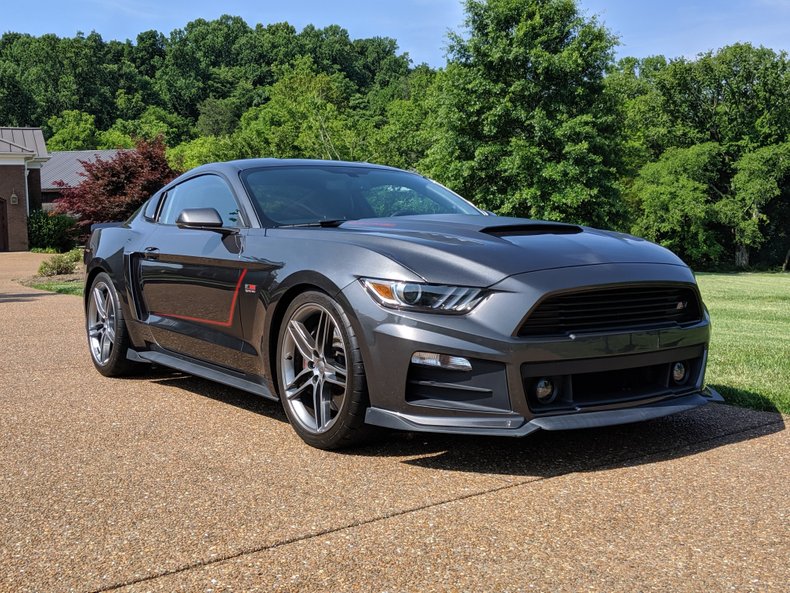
pixel 65 166
pixel 23 141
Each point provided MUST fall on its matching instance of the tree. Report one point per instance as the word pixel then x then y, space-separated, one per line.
pixel 153 123
pixel 72 130
pixel 307 116
pixel 677 199
pixel 219 117
pixel 522 122
pixel 401 140
pixel 114 188
pixel 206 149
pixel 16 102
pixel 759 206
pixel 737 98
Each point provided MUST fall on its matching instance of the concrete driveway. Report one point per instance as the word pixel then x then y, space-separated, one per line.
pixel 171 483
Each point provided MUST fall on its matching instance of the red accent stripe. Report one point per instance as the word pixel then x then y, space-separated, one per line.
pixel 227 323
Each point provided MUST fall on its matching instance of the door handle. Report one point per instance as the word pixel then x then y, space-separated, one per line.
pixel 151 253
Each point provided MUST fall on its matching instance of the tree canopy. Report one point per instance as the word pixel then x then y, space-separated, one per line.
pixel 531 116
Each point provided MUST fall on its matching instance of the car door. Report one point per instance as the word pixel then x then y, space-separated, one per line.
pixel 190 278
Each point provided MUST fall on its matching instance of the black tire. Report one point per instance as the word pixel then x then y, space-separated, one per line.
pixel 110 333
pixel 303 380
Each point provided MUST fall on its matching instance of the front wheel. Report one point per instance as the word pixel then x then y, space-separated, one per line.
pixel 320 373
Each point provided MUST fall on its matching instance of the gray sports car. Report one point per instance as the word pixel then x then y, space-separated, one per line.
pixel 361 296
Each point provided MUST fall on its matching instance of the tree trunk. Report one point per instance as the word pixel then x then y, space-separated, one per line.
pixel 786 265
pixel 742 257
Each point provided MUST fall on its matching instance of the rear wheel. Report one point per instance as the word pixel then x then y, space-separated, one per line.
pixel 108 339
pixel 320 372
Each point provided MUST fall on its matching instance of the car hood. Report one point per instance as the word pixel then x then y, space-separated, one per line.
pixel 482 250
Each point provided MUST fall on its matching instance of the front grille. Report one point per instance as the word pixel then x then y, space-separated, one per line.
pixel 605 309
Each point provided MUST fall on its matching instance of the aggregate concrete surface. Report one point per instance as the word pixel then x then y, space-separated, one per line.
pixel 166 482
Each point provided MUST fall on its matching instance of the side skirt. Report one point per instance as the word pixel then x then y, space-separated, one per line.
pixel 200 370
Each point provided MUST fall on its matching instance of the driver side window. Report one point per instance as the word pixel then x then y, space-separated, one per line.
pixel 206 191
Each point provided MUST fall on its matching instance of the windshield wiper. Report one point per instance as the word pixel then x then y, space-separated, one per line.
pixel 331 222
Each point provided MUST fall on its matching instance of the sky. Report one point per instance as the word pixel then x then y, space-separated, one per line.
pixel 645 27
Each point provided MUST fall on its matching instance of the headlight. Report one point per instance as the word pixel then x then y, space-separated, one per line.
pixel 416 296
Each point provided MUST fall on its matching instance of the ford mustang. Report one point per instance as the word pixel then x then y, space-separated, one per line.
pixel 365 296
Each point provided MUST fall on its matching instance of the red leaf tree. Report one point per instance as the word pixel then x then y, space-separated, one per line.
pixel 114 188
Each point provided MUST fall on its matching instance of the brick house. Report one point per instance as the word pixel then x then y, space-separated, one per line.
pixel 22 153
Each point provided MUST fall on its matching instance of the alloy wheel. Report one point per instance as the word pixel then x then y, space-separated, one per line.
pixel 313 367
pixel 101 323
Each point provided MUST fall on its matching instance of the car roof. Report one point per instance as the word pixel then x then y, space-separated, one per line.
pixel 245 164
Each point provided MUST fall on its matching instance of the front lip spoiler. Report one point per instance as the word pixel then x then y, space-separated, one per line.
pixel 513 425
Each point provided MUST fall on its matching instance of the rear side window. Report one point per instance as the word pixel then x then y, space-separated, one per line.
pixel 206 191
pixel 151 206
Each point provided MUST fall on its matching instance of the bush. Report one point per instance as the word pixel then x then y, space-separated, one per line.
pixel 47 231
pixel 63 263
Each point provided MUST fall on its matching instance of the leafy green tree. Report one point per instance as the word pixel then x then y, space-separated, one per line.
pixel 219 117
pixel 759 206
pixel 522 122
pixel 677 197
pixel 72 130
pixel 153 123
pixel 149 53
pixel 307 116
pixel 16 102
pixel 264 48
pixel 402 140
pixel 206 149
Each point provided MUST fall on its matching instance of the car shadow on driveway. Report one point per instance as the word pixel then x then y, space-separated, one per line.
pixel 24 297
pixel 541 454
pixel 549 454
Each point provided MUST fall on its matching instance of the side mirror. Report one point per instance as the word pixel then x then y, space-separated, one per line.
pixel 201 218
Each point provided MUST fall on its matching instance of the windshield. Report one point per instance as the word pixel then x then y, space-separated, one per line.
pixel 311 194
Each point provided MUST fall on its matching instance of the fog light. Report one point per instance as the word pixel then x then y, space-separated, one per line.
pixel 442 361
pixel 544 390
pixel 678 372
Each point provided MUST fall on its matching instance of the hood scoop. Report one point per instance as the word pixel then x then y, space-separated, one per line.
pixel 541 228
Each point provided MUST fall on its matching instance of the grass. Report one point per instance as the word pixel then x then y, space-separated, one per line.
pixel 74 288
pixel 749 360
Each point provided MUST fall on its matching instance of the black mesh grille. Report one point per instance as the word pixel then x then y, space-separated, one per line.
pixel 612 308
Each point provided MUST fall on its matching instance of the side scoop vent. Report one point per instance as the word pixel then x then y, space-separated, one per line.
pixel 516 230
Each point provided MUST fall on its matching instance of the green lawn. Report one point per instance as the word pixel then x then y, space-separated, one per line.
pixel 749 361
pixel 60 287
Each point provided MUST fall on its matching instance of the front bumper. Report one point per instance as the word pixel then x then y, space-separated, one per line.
pixel 495 398
pixel 517 426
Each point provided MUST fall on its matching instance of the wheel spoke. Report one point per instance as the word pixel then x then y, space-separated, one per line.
pixel 110 332
pixel 106 344
pixel 335 375
pixel 295 388
pixel 321 332
pixel 321 406
pixel 101 306
pixel 302 338
pixel 96 330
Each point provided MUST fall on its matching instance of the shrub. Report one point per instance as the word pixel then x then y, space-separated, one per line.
pixel 55 231
pixel 113 189
pixel 63 263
